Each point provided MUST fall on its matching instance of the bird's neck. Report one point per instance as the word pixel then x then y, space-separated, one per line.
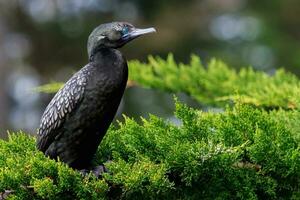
pixel 109 65
pixel 102 53
pixel 109 59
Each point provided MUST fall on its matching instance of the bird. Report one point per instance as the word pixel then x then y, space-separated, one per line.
pixel 78 116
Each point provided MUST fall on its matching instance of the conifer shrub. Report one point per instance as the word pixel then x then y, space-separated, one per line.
pixel 217 84
pixel 241 153
pixel 247 151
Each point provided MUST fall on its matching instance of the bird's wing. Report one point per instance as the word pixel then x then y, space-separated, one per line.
pixel 62 104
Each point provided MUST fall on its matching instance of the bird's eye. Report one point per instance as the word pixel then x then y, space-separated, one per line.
pixel 125 30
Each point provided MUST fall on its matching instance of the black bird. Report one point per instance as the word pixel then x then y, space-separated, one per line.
pixel 79 115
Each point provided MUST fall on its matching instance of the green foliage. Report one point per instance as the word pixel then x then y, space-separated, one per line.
pixel 30 175
pixel 49 88
pixel 244 152
pixel 217 84
pixel 241 153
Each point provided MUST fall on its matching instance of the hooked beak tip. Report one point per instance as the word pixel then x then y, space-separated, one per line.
pixel 152 30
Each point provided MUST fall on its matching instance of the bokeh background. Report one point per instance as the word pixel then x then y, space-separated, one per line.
pixel 45 40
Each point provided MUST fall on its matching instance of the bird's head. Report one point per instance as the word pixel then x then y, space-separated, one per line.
pixel 114 35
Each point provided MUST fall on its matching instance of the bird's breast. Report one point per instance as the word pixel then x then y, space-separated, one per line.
pixel 105 88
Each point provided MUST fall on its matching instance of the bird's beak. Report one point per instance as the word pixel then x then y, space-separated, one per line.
pixel 138 32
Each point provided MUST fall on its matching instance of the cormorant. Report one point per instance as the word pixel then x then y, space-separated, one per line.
pixel 80 113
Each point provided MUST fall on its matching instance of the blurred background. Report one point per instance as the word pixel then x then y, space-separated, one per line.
pixel 45 40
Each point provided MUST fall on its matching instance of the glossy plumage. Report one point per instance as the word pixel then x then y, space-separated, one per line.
pixel 63 103
pixel 78 116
